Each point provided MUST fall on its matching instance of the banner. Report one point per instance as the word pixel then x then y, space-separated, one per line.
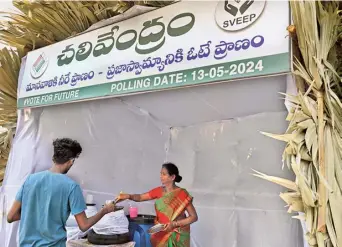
pixel 184 44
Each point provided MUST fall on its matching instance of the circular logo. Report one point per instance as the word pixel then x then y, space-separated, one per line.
pixel 234 15
pixel 39 66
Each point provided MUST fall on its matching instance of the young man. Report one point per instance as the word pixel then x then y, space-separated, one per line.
pixel 44 202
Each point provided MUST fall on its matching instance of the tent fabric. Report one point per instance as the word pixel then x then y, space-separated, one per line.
pixel 211 132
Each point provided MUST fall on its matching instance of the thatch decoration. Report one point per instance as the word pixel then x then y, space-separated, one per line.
pixel 10 61
pixel 314 136
pixel 41 23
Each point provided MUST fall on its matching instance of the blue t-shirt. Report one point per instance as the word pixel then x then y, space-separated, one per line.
pixel 46 202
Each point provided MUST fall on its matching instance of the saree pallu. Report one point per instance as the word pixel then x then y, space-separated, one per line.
pixel 168 208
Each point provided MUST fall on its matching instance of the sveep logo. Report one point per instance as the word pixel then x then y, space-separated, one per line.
pixel 234 15
pixel 39 66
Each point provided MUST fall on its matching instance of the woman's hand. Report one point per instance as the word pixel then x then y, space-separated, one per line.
pixel 169 227
pixel 122 197
pixel 135 197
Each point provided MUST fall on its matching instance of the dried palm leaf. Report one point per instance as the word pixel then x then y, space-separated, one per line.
pixel 9 73
pixel 39 23
pixel 316 159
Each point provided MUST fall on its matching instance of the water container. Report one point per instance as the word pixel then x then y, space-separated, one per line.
pixel 145 222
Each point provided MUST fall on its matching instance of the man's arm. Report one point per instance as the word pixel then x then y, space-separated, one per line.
pixel 15 212
pixel 78 206
pixel 85 223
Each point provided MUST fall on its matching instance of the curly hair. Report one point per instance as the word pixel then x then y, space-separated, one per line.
pixel 65 149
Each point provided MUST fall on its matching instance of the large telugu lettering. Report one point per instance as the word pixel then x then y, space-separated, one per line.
pixel 150 39
pixel 101 48
pixel 219 51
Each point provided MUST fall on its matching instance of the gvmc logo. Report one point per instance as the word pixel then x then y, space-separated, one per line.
pixel 236 15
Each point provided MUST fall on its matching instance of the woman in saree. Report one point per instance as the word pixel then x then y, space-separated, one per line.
pixel 171 205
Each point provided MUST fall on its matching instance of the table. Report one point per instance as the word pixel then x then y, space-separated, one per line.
pixel 85 243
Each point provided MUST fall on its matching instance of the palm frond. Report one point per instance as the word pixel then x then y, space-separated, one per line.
pixel 39 23
pixel 10 61
pixel 314 146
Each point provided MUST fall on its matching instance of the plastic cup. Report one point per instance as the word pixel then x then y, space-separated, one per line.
pixel 133 212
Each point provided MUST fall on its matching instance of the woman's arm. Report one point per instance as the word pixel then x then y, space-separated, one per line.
pixel 140 197
pixel 192 218
pixel 184 222
pixel 134 197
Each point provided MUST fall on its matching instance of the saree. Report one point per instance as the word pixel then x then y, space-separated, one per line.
pixel 169 206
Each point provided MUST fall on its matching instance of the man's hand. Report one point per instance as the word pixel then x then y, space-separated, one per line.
pixel 108 208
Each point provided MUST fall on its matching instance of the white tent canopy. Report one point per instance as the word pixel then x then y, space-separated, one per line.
pixel 211 132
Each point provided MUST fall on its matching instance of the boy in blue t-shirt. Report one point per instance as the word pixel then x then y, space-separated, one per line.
pixel 46 199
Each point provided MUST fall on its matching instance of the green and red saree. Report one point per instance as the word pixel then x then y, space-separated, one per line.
pixel 170 206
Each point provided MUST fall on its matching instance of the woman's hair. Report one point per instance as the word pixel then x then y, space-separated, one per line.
pixel 65 149
pixel 172 169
